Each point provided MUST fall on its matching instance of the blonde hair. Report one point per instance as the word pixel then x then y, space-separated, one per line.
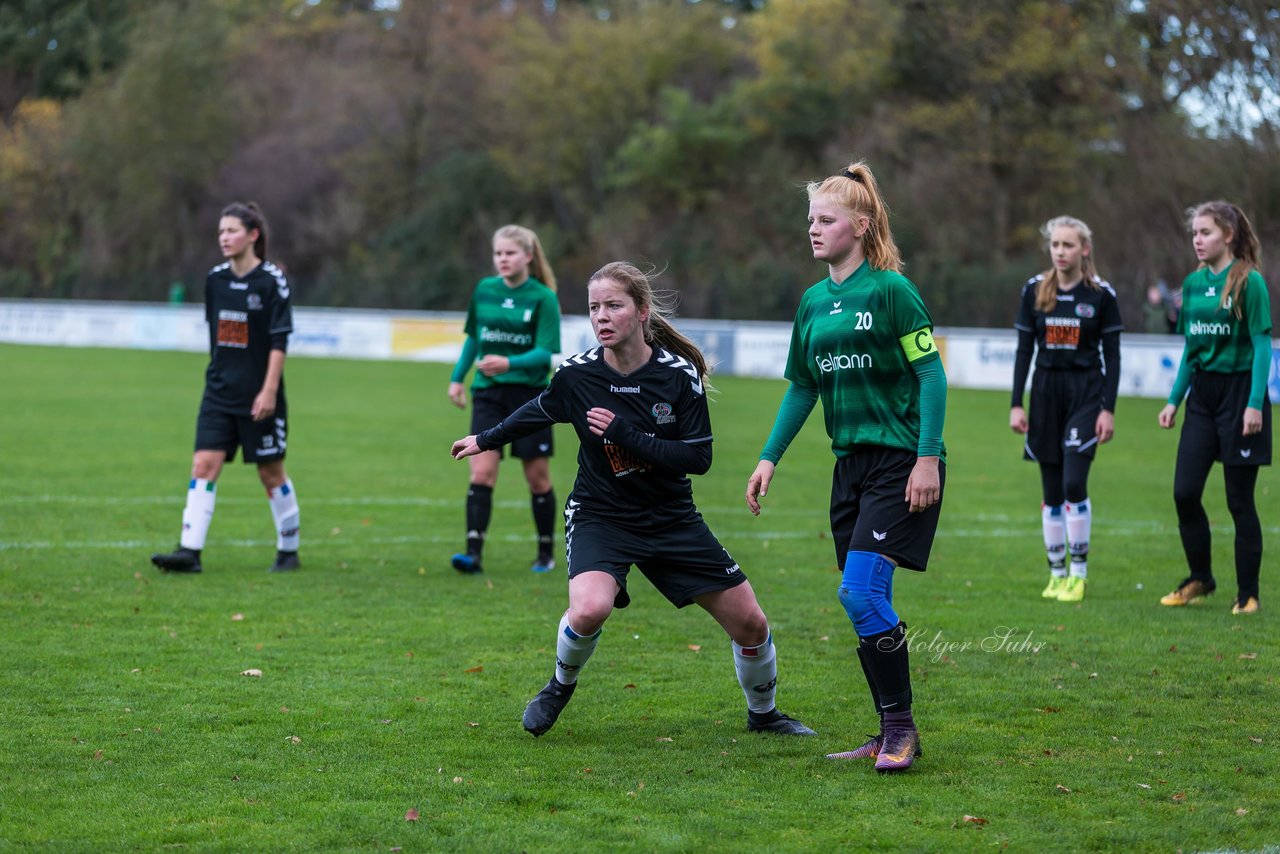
pixel 539 266
pixel 855 190
pixel 1244 247
pixel 658 330
pixel 1047 291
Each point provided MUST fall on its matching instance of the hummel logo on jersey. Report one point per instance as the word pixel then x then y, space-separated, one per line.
pixel 878 535
pixel 730 570
pixel 835 307
pixel 508 303
pixel 239 286
pixel 1212 292
pixel 624 389
pixel 1246 452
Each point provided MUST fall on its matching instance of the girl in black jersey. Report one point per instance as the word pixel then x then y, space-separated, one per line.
pixel 638 404
pixel 247 307
pixel 1226 319
pixel 1071 317
pixel 513 327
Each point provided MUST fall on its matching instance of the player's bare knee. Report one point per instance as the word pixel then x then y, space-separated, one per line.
pixel 206 466
pixel 272 475
pixel 752 629
pixel 587 618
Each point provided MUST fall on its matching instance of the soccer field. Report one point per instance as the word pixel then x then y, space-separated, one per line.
pixel 387 715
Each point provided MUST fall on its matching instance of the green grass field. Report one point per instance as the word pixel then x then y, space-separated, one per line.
pixel 391 684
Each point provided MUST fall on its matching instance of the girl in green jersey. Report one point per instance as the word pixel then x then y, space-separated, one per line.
pixel 1226 320
pixel 513 327
pixel 863 344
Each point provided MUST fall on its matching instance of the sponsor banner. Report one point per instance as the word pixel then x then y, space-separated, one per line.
pixel 427 339
pixel 974 358
pixel 983 358
pixel 760 349
pixel 340 334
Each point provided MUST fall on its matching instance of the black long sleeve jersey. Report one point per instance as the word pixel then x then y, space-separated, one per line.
pixel 637 473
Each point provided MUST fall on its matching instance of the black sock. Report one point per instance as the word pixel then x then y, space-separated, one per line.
pixel 890 666
pixel 479 509
pixel 544 520
pixel 871 682
pixel 763 717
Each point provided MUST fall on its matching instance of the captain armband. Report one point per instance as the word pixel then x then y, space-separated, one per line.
pixel 916 345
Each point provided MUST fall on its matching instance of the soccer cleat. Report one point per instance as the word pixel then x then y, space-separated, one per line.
pixel 1189 591
pixel 285 562
pixel 543 564
pixel 1248 606
pixel 180 560
pixel 1073 590
pixel 899 750
pixel 1056 583
pixel 869 750
pixel 776 722
pixel 467 564
pixel 541 713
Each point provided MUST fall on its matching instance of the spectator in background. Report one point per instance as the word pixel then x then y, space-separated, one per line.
pixel 1226 320
pixel 1159 312
pixel 513 327
pixel 247 306
pixel 1069 319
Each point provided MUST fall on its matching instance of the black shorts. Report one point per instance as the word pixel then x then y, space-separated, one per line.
pixel 1064 415
pixel 262 441
pixel 491 405
pixel 683 559
pixel 1214 420
pixel 869 508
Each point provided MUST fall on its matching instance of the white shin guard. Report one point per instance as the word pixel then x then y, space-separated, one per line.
pixel 757 669
pixel 572 651
pixel 1079 522
pixel 198 514
pixel 284 509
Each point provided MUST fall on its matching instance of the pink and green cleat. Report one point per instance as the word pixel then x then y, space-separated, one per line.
pixel 899 750
pixel 867 751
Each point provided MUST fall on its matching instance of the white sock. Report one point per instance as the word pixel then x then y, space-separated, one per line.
pixel 572 651
pixel 1079 521
pixel 284 509
pixel 757 668
pixel 198 513
pixel 1055 538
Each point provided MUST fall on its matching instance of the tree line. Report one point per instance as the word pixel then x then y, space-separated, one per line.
pixel 387 140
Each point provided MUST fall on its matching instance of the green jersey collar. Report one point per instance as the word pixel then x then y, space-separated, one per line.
pixel 853 278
